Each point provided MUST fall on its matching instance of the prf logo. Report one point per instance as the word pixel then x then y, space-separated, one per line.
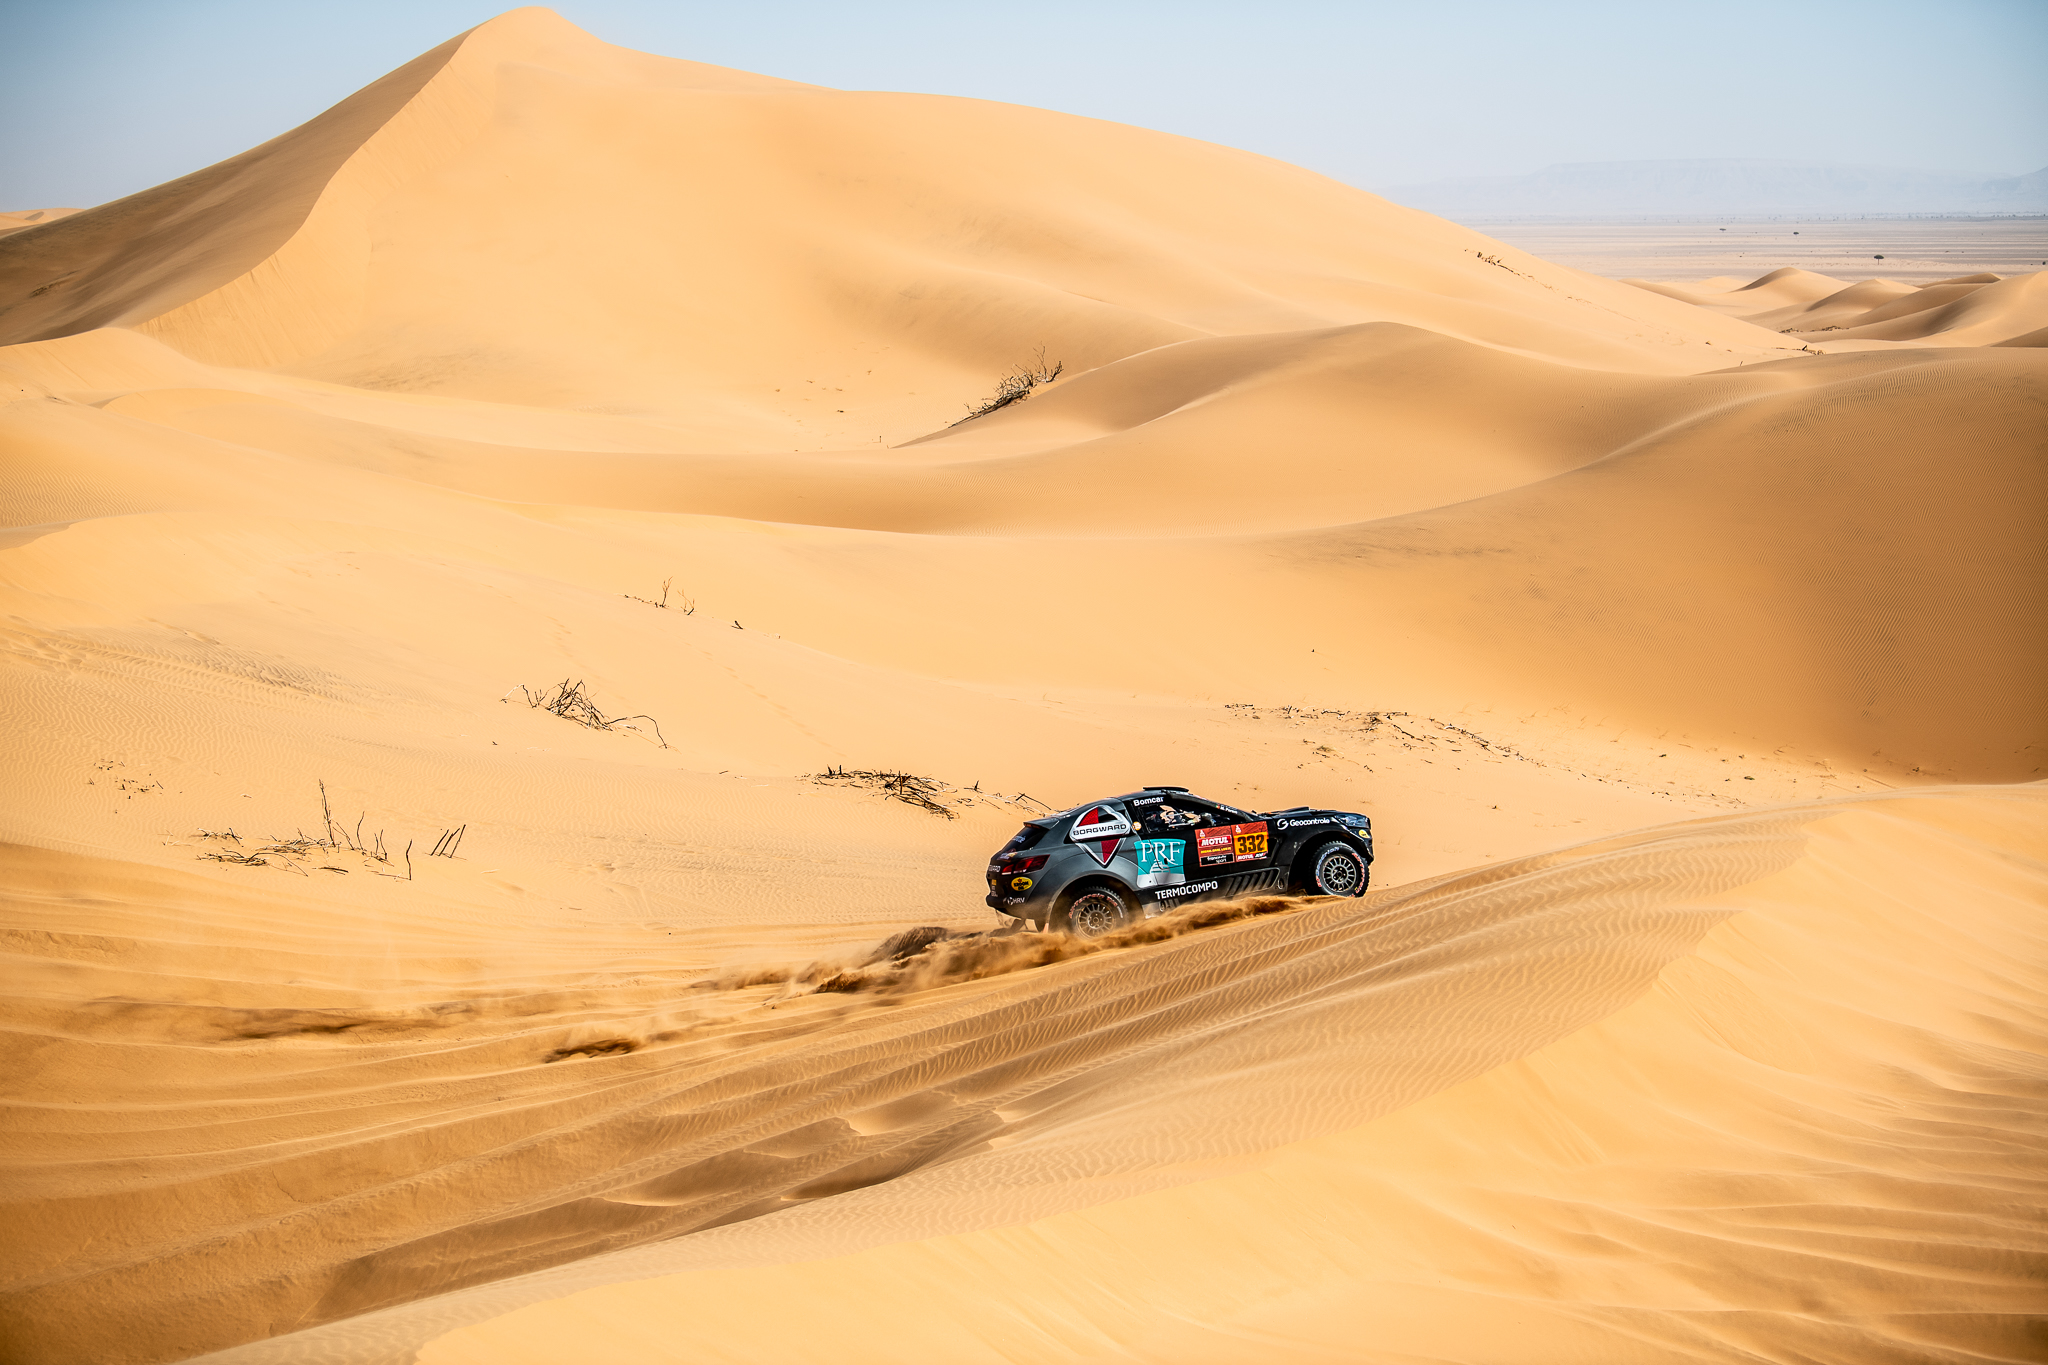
pixel 1159 861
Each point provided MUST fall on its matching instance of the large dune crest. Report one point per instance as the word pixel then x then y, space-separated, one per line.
pixel 932 240
pixel 452 1152
pixel 1760 1157
pixel 1671 637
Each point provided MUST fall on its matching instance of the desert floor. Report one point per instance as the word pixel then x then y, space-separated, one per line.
pixel 1683 639
pixel 1915 250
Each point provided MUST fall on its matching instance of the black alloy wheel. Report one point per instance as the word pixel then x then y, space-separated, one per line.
pixel 1338 870
pixel 1095 911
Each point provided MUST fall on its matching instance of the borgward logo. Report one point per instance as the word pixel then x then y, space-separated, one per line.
pixel 1100 832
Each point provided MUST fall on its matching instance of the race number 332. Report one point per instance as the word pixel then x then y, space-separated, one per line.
pixel 1250 842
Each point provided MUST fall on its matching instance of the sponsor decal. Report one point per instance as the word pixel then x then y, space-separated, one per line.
pixel 1159 861
pixel 1101 850
pixel 1189 889
pixel 1148 801
pixel 1020 883
pixel 1100 831
pixel 1304 824
pixel 1013 900
pixel 1232 844
pixel 1100 822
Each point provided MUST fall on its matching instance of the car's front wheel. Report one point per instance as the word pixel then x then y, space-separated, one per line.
pixel 1094 911
pixel 1337 870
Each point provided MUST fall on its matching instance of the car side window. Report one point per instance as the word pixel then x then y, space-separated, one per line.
pixel 1168 817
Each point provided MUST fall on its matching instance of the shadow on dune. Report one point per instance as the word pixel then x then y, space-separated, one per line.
pixel 1113 1066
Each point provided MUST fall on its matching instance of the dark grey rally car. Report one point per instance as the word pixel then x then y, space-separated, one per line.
pixel 1109 863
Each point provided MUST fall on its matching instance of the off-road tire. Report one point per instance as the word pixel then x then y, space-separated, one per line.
pixel 1337 869
pixel 1094 910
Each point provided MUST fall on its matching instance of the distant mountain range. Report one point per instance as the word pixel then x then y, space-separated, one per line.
pixel 1732 186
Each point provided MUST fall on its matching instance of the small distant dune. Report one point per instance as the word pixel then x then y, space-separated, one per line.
pixel 1970 310
pixel 28 218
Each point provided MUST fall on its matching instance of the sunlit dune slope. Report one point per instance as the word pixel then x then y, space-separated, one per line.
pixel 140 256
pixel 1344 425
pixel 1814 1137
pixel 1970 310
pixel 754 248
pixel 1803 529
pixel 1787 518
pixel 1733 1085
pixel 544 364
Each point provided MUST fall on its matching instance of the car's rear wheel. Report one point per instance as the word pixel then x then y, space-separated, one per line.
pixel 1094 911
pixel 1337 870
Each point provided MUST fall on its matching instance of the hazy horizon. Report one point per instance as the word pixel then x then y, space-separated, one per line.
pixel 107 97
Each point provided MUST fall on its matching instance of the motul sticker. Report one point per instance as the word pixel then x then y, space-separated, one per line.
pixel 1231 844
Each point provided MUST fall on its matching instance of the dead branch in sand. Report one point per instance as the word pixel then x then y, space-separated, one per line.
pixel 571 702
pixel 911 790
pixel 408 866
pixel 1016 386
pixel 688 605
pixel 450 840
pixel 229 855
pixel 288 853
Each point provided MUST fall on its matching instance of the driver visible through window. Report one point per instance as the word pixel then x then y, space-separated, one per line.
pixel 1178 814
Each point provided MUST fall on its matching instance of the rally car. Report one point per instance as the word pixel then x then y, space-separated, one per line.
pixel 1113 862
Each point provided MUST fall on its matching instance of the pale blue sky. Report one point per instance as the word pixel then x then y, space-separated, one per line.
pixel 100 98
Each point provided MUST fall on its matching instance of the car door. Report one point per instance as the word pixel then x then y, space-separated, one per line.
pixel 1234 847
pixel 1161 849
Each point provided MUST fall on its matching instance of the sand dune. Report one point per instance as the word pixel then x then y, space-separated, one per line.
pixel 28 218
pixel 541 361
pixel 1777 1177
pixel 1022 1094
pixel 1970 310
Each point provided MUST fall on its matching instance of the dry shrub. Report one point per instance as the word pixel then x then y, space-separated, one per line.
pixel 571 702
pixel 911 790
pixel 1016 386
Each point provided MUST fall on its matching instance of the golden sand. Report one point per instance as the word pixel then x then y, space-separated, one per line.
pixel 1683 641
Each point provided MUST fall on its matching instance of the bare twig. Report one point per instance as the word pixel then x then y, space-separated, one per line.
pixel 904 787
pixel 1016 386
pixel 571 702
pixel 228 855
pixel 687 605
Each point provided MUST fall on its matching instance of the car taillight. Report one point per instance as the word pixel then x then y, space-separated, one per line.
pixel 1016 865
